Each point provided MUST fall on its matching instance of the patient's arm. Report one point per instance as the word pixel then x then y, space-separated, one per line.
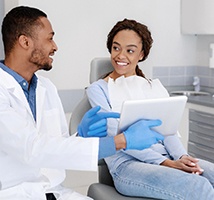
pixel 174 147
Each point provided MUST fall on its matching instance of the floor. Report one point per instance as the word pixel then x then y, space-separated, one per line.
pixel 80 180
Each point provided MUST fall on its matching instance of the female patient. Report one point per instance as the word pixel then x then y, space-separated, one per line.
pixel 165 170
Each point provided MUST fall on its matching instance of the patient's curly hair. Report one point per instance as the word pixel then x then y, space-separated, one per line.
pixel 142 31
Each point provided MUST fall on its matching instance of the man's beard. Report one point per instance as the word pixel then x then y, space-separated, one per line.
pixel 38 58
pixel 46 67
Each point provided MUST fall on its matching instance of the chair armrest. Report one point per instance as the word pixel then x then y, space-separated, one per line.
pixel 76 116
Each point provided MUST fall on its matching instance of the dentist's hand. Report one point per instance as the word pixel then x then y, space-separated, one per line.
pixel 94 124
pixel 141 136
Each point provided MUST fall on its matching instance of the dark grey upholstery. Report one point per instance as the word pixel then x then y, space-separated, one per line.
pixel 100 191
pixel 104 175
pixel 104 190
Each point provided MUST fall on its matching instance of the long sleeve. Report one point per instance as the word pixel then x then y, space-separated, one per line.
pixel 147 155
pixel 97 94
pixel 106 147
pixel 158 152
pixel 174 146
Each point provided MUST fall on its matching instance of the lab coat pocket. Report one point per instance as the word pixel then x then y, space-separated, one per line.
pixel 24 191
pixel 13 193
pixel 34 190
pixel 51 119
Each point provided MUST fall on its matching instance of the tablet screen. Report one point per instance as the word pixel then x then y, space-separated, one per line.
pixel 169 110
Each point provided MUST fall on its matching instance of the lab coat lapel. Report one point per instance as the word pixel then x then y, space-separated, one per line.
pixel 14 89
pixel 40 100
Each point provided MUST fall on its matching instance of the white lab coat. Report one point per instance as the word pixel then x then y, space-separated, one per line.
pixel 34 155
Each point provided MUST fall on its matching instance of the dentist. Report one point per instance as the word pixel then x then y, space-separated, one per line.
pixel 35 147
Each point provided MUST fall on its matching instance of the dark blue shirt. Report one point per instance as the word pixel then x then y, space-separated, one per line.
pixel 28 89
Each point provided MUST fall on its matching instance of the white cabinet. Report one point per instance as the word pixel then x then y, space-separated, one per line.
pixel 197 16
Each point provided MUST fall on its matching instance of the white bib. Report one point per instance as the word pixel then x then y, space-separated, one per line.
pixel 133 88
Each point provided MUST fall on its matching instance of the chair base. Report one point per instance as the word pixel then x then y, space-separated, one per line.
pixel 99 191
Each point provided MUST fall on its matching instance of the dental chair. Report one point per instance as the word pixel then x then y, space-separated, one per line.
pixel 104 189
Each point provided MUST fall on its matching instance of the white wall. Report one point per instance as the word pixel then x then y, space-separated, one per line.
pixel 82 26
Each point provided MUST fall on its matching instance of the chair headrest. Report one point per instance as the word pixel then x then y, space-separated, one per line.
pixel 99 67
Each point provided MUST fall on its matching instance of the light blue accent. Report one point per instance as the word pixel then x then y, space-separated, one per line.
pixel 184 76
pixel 177 71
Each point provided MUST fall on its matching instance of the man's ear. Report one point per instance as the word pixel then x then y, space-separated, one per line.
pixel 24 41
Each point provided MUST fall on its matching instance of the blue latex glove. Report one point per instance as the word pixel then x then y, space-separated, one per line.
pixel 94 124
pixel 140 135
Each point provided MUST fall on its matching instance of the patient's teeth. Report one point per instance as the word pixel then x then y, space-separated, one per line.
pixel 121 63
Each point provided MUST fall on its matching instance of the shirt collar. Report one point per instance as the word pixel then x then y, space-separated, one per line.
pixel 17 77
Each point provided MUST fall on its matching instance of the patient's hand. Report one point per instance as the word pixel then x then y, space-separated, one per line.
pixel 185 163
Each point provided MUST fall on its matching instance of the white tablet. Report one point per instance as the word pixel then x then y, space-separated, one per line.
pixel 169 110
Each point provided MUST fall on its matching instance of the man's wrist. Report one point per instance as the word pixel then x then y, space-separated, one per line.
pixel 120 141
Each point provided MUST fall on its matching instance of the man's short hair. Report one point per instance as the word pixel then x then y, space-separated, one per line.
pixel 19 21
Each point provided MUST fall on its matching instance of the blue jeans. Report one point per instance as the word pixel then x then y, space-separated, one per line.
pixel 134 178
